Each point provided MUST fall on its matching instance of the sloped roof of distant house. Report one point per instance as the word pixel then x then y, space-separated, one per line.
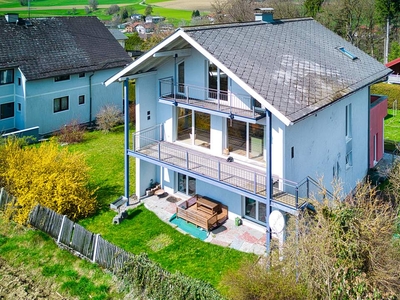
pixel 293 67
pixel 393 62
pixel 56 46
pixel 118 35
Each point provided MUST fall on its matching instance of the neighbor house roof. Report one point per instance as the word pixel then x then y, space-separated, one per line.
pixel 393 62
pixel 118 35
pixel 47 47
pixel 293 67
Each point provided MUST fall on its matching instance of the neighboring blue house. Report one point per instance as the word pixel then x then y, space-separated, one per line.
pixel 252 114
pixel 52 69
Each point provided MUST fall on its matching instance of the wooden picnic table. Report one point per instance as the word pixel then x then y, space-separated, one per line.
pixel 207 206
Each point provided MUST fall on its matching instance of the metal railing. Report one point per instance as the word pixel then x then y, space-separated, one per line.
pixel 222 101
pixel 150 142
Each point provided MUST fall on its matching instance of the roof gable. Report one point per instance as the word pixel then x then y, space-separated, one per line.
pixel 293 67
pixel 59 45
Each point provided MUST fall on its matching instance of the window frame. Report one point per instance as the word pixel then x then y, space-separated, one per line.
pixel 60 107
pixel 3 111
pixel 10 78
pixel 79 99
pixel 62 78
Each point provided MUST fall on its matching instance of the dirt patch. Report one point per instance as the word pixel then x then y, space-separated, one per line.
pixel 16 284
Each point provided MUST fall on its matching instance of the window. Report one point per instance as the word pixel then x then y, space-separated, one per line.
pixel 347 53
pixel 186 184
pixel 255 210
pixel 181 77
pixel 61 104
pixel 19 107
pixel 81 99
pixel 348 121
pixel 81 75
pixel 6 76
pixel 7 110
pixel 217 83
pixel 61 78
pixel 19 81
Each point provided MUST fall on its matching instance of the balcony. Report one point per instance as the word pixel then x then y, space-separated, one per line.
pixel 224 103
pixel 250 182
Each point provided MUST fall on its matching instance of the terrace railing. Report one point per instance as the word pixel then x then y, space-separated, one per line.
pixel 211 99
pixel 150 143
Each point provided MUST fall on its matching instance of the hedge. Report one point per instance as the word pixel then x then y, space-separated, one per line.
pixel 390 90
pixel 147 278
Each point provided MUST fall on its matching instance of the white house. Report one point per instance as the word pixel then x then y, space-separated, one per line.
pixel 52 70
pixel 252 114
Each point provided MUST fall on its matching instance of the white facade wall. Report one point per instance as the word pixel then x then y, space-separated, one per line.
pixel 319 144
pixel 40 95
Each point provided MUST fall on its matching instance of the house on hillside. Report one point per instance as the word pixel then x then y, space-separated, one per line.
pixel 119 36
pixel 252 114
pixel 52 70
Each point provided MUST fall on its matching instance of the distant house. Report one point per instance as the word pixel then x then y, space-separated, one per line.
pixel 119 36
pixel 254 114
pixel 52 69
pixel 394 65
pixel 154 19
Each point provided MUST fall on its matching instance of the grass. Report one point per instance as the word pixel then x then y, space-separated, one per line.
pixel 34 254
pixel 392 125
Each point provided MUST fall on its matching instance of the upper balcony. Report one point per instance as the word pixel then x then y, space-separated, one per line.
pixel 224 103
pixel 149 145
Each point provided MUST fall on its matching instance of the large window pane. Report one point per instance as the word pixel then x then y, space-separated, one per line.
pixel 6 76
pixel 7 110
pixel 251 208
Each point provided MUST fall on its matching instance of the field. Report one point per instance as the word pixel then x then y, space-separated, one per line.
pixel 173 10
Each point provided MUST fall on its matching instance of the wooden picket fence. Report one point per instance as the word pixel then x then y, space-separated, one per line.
pixel 74 236
pixel 5 198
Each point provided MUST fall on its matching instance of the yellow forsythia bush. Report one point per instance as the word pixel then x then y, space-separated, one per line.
pixel 46 175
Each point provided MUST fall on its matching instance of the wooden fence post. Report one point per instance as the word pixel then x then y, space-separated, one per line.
pixel 95 248
pixel 61 228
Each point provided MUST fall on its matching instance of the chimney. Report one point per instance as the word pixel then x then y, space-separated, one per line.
pixel 264 14
pixel 11 18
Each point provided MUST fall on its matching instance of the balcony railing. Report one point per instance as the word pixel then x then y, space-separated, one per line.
pixel 224 102
pixel 150 143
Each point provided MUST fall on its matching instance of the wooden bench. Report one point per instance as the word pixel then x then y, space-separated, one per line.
pixel 202 212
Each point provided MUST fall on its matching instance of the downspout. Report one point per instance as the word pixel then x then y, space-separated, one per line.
pixel 268 184
pixel 126 130
pixel 90 99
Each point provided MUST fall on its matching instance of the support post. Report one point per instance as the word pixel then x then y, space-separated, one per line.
pixel 268 187
pixel 126 129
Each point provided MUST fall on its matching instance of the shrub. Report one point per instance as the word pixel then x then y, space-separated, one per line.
pixel 390 90
pixel 108 117
pixel 46 175
pixel 146 277
pixel 132 113
pixel 71 133
pixel 257 282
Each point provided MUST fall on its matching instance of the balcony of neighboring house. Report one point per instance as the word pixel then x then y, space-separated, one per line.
pixel 394 78
pixel 244 179
pixel 209 100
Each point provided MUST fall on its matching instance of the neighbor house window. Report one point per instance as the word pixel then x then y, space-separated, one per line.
pixel 81 75
pixel 348 121
pixel 19 107
pixel 61 104
pixel 181 77
pixel 61 78
pixel 6 110
pixel 349 159
pixel 6 76
pixel 82 99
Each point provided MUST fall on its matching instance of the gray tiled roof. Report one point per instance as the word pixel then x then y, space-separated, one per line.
pixel 59 45
pixel 293 64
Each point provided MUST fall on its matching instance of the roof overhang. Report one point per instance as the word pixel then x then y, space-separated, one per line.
pixel 158 53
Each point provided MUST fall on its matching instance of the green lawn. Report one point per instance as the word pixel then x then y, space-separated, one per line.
pixel 175 251
pixel 392 125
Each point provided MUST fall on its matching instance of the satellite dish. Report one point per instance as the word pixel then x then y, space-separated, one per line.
pixel 276 221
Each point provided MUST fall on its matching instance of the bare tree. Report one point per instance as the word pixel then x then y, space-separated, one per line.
pixel 233 10
pixel 93 4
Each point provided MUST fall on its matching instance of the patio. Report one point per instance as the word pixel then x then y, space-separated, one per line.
pixel 242 238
